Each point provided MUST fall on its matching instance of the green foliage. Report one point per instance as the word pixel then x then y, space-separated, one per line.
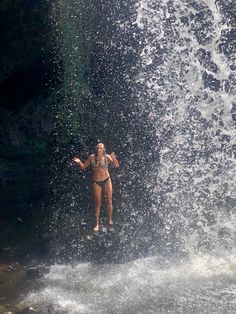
pixel 4 151
pixel 39 148
pixel 33 148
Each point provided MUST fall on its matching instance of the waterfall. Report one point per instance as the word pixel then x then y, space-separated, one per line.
pixel 162 94
pixel 186 84
pixel 156 81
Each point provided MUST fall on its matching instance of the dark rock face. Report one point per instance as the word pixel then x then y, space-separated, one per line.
pixel 26 114
pixel 24 34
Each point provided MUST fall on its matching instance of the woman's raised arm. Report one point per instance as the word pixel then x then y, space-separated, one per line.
pixel 82 165
pixel 112 159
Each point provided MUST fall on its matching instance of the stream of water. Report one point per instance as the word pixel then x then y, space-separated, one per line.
pixel 184 84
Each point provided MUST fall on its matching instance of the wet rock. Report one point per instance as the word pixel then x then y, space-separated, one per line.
pixel 23 34
pixel 5 268
pixel 34 271
pixel 16 280
pixel 1 308
pixel 9 309
pixel 27 310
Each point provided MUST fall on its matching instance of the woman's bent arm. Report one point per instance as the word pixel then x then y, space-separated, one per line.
pixel 84 165
pixel 113 160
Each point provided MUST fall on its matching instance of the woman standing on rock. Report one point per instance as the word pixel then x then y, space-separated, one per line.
pixel 101 179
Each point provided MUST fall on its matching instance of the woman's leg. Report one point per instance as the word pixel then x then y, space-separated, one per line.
pixel 97 197
pixel 108 198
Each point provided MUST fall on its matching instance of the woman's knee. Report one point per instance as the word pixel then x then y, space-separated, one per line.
pixel 109 202
pixel 97 204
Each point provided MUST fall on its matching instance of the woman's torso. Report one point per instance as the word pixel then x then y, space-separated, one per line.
pixel 99 166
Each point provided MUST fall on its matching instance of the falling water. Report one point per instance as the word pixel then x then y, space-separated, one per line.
pixel 186 77
pixel 176 195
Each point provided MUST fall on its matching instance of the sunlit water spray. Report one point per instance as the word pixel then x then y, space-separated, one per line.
pixel 203 285
pixel 185 86
pixel 186 83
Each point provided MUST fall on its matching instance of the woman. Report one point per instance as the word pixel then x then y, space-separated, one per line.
pixel 101 179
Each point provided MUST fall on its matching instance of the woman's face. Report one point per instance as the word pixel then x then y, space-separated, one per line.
pixel 100 149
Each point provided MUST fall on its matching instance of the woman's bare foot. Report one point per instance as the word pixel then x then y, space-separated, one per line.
pixel 96 228
pixel 110 223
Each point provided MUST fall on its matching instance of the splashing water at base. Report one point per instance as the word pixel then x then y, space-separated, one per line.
pixel 206 284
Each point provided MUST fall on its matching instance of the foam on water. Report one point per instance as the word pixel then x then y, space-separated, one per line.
pixel 142 284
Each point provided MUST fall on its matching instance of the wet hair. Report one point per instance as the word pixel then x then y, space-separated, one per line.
pixel 96 148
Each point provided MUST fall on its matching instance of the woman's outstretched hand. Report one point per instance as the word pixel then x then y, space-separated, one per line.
pixel 114 160
pixel 113 156
pixel 76 160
